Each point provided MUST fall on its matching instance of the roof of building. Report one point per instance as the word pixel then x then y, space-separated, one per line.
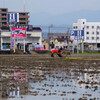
pixel 57 34
pixel 47 40
pixel 18 12
pixel 36 28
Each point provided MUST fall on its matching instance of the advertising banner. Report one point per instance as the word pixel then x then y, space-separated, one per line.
pixel 77 35
pixel 18 33
pixel 72 35
pixel 27 27
pixel 12 17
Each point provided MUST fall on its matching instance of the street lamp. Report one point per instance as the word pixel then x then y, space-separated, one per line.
pixel 68 37
pixel 51 26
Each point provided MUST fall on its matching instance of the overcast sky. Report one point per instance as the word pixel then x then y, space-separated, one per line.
pixel 55 11
pixel 51 6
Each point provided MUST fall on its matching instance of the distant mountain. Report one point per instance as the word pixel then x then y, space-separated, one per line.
pixel 64 19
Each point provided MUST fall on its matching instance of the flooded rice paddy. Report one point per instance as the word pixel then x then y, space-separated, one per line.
pixel 32 78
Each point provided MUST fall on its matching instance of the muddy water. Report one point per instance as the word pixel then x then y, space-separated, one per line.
pixel 49 79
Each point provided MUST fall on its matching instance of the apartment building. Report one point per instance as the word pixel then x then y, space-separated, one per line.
pixel 23 18
pixel 91 32
pixel 3 17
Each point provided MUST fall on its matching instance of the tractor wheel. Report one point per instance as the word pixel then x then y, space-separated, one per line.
pixel 54 55
pixel 51 55
pixel 63 53
pixel 68 53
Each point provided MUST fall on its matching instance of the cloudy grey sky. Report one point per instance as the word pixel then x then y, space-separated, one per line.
pixel 51 7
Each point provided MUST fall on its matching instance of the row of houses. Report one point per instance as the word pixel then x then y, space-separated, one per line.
pixel 90 36
pixel 56 40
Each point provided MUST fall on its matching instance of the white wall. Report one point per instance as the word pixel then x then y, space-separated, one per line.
pixel 82 24
pixel 91 34
pixel 35 37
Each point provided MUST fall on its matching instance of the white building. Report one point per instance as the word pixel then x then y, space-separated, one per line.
pixel 91 32
pixel 32 37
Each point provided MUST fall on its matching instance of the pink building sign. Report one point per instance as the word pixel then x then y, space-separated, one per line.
pixel 18 32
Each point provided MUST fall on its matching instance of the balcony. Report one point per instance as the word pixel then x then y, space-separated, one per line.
pixel 4 21
pixel 3 16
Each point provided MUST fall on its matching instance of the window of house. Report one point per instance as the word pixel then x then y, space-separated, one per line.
pixel 97 38
pixel 87 32
pixel 92 27
pixel 92 38
pixel 87 27
pixel 92 32
pixel 22 14
pixel 3 14
pixel 22 19
pixel 97 33
pixel 76 27
pixel 83 22
pixel 3 18
pixel 87 38
pixel 98 27
pixel 22 23
pixel 64 46
pixel 62 36
pixel 4 10
pixel 3 23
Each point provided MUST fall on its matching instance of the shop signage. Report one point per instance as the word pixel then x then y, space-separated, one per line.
pixel 77 35
pixel 12 17
pixel 18 33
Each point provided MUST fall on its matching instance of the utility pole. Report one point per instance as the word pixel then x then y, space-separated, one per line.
pixel 51 26
pixel 10 36
pixel 49 29
pixel 82 46
pixel 78 42
pixel 68 37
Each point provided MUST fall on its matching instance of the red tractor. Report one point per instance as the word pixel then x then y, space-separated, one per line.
pixel 61 52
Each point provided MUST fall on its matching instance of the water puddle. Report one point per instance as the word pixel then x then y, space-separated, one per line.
pixel 53 80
